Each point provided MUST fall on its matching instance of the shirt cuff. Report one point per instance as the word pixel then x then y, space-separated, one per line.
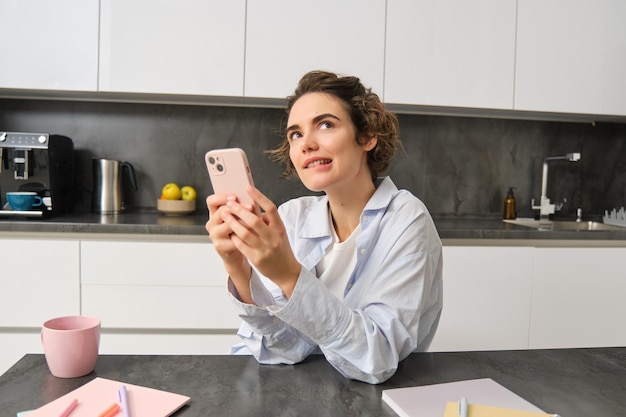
pixel 259 316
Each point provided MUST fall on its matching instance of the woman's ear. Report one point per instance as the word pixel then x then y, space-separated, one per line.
pixel 370 143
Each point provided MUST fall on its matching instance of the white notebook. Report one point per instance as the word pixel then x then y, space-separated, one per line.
pixel 431 400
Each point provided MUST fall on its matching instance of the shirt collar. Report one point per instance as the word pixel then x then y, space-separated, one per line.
pixel 385 190
pixel 317 225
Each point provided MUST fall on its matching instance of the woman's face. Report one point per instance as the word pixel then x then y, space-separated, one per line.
pixel 323 146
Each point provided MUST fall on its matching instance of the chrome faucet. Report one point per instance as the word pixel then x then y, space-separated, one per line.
pixel 545 208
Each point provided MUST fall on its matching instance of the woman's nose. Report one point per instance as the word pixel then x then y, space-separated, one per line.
pixel 308 142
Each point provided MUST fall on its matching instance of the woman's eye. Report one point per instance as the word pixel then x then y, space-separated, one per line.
pixel 326 125
pixel 294 135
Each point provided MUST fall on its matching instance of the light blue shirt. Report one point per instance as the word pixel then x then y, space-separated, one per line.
pixel 392 302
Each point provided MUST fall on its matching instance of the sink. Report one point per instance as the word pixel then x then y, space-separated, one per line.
pixel 563 225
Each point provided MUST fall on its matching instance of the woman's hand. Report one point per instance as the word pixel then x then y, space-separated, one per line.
pixel 262 240
pixel 235 262
pixel 219 232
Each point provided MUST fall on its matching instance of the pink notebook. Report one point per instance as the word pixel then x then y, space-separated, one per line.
pixel 98 394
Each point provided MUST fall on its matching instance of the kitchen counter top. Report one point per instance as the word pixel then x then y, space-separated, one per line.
pixel 571 382
pixel 138 222
pixel 154 223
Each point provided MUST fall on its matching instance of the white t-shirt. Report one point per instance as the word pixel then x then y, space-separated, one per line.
pixel 336 266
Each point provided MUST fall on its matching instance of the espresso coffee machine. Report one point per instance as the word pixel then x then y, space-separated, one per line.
pixel 40 163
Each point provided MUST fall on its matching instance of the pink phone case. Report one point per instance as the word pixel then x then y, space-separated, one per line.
pixel 230 173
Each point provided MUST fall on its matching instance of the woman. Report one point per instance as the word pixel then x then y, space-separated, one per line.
pixel 355 273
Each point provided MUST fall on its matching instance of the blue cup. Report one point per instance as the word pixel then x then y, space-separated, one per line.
pixel 23 201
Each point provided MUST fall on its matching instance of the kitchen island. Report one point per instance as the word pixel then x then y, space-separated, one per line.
pixel 571 382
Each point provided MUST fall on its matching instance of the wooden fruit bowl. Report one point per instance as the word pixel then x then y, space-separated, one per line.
pixel 176 207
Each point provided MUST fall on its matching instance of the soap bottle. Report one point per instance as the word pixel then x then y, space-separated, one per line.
pixel 509 206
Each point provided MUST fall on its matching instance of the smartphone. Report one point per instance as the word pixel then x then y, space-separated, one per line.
pixel 229 172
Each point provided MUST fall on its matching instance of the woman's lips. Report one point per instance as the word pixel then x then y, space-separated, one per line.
pixel 316 162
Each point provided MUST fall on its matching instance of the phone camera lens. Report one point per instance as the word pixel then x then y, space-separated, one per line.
pixel 220 167
pixel 211 160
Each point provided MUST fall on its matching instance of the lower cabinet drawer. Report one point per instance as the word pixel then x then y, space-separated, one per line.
pixel 39 280
pixel 168 342
pixel 160 307
pixel 155 285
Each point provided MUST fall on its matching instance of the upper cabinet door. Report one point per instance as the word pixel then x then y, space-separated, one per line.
pixel 571 56
pixel 172 46
pixel 285 39
pixel 49 45
pixel 450 53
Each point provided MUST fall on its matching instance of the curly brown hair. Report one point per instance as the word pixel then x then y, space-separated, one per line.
pixel 367 112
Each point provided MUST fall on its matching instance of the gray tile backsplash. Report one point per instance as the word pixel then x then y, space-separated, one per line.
pixel 456 165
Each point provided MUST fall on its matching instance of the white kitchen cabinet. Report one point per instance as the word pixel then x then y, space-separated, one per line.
pixel 142 342
pixel 49 45
pixel 157 297
pixel 191 47
pixel 15 343
pixel 285 39
pixel 486 298
pixel 578 298
pixel 39 280
pixel 571 56
pixel 450 53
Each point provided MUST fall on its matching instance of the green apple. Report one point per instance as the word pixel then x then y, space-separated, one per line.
pixel 188 192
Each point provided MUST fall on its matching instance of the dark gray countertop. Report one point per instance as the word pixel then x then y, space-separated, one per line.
pixel 494 228
pixel 152 222
pixel 571 382
pixel 139 222
pixel 155 223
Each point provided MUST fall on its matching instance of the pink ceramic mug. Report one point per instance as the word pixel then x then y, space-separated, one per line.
pixel 71 345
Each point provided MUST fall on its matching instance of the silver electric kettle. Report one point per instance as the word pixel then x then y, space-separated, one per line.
pixel 107 185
